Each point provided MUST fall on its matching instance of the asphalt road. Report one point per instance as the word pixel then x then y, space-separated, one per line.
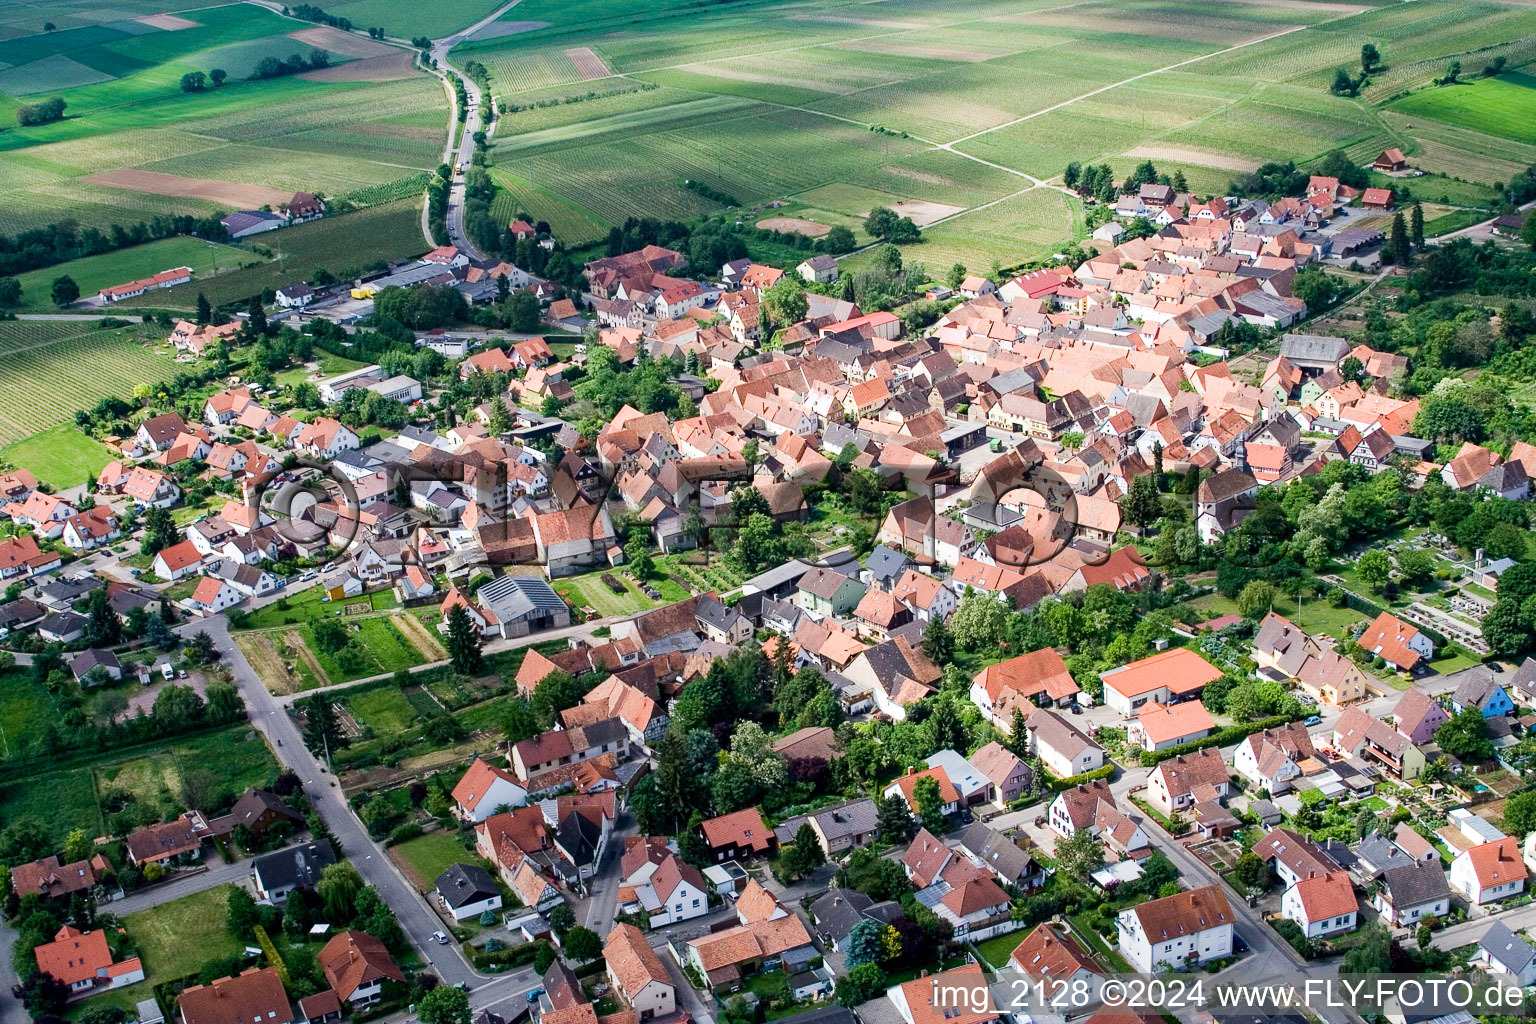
pixel 471 124
pixel 416 919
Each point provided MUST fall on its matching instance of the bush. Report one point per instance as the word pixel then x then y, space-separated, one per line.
pixel 410 830
pixel 1059 785
pixel 1220 738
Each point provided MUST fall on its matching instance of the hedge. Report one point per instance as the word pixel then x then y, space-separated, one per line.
pixel 514 956
pixel 1220 738
pixel 1059 785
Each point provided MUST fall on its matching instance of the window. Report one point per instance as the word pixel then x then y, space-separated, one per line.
pixel 695 902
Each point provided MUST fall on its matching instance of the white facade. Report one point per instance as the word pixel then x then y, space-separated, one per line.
pixel 1245 763
pixel 1408 917
pixel 1065 765
pixel 1170 952
pixel 1465 881
pixel 473 910
pixel 501 792
pixel 654 1000
pixel 1291 908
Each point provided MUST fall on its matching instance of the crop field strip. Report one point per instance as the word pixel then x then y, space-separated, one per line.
pixel 45 379
pixel 626 155
pixel 287 133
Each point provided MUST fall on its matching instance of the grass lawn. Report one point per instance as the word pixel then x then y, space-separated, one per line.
pixel 426 857
pixel 1504 106
pixel 996 951
pixel 177 938
pixel 93 273
pixel 61 456
pixel 386 711
pixel 60 800
pixel 383 650
pixel 290 609
pixel 220 764
pixel 1453 658
pixel 590 591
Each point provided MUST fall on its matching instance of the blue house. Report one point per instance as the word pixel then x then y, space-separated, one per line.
pixel 1480 690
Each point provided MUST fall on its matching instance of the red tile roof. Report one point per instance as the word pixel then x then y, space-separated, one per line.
pixel 743 828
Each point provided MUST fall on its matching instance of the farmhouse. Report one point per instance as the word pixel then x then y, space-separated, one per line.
pixel 133 289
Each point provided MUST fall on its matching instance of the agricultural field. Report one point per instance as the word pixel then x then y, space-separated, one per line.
pixel 1503 106
pixel 93 273
pixel 41 385
pixel 335 131
pixel 838 107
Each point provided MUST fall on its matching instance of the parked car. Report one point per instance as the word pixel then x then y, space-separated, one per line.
pixel 440 938
pixel 1313 720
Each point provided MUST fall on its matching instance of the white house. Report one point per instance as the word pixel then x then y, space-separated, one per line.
pixel 213 595
pixel 677 890
pixel 1322 904
pixel 176 561
pixel 485 788
pixel 1501 951
pixel 1078 807
pixel 1411 892
pixel 1188 779
pixel 1489 872
pixel 1065 750
pixel 466 891
pixel 636 971
pixel 1183 930
pixel 1271 759
pixel 326 438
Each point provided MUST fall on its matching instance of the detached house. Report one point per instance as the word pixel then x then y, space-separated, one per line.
pixel 1183 930
pixel 1181 782
pixel 1322 905
pixel 1178 672
pixel 326 438
pixel 1065 750
pixel 1398 643
pixel 254 994
pixel 356 965
pixel 1411 892
pixel 485 788
pixel 738 834
pixel 1489 872
pixel 1272 758
pixel 637 973
pixel 825 592
pixel 1039 678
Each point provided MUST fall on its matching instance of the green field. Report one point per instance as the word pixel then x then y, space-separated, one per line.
pixel 215 766
pixel 61 456
pixel 1504 106
pixel 42 383
pixel 93 273
pixel 177 938
pixel 383 649
pixel 126 110
pixel 346 245
pixel 428 856
pixel 386 711
pixel 837 107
